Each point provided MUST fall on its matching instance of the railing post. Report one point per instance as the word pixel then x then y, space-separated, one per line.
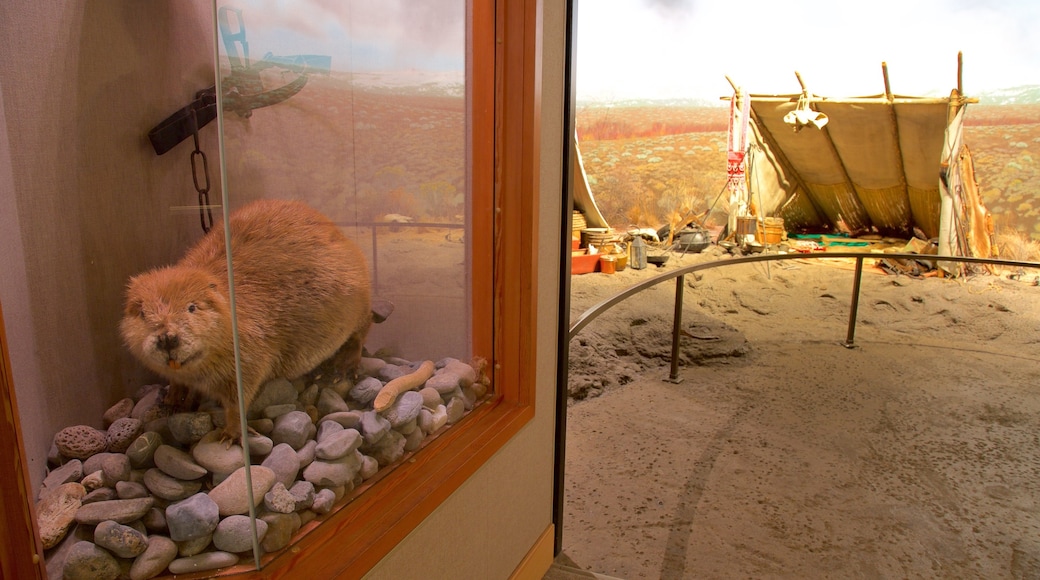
pixel 854 308
pixel 680 284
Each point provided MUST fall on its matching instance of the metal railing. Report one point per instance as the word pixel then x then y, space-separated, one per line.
pixel 680 277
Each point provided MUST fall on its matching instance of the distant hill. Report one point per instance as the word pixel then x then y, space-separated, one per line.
pixel 1023 95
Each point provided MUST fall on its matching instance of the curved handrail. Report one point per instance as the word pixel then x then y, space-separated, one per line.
pixel 594 311
pixel 679 275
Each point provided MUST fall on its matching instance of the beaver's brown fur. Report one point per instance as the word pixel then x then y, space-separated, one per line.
pixel 301 291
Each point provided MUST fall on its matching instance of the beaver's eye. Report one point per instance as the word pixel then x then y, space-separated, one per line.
pixel 191 308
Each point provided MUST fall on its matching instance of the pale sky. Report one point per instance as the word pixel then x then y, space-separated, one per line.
pixel 685 48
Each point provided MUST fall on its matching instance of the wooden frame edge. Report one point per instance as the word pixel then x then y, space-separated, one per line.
pixel 22 547
pixel 538 559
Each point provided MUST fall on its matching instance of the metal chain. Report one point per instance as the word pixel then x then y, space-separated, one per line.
pixel 205 210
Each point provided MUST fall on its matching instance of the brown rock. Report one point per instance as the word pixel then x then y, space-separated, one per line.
pixel 56 511
pixel 80 441
pixel 118 411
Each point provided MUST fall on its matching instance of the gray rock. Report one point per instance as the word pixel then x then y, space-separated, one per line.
pixel 191 518
pixel 231 495
pixel 275 411
pixel 369 467
pixel 284 462
pixel 150 406
pixel 259 445
pixel 366 389
pixel 121 409
pixel 177 463
pixel 373 427
pixel 329 401
pixel 86 561
pixel 323 501
pixel 406 408
pixel 274 392
pixel 280 530
pixel 389 449
pixel 203 562
pixel 262 426
pixel 309 396
pixel 294 428
pixel 390 372
pixel 444 383
pixel 155 521
pixel 210 452
pixel 279 500
pixel 115 467
pixel 187 548
pixel 100 494
pixel 466 373
pixel 142 449
pixel 346 419
pixel 235 534
pixel 413 440
pixel 333 473
pixel 154 560
pixel 123 511
pixel 337 444
pixel 123 541
pixel 455 409
pixel 169 488
pixel 187 428
pixel 370 366
pixel 71 471
pixel 80 441
pixel 303 494
pixel 306 453
pixel 93 464
pixel 326 428
pixel 122 433
pixel 130 490
pixel 431 397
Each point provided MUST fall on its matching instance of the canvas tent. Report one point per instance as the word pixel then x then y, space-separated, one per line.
pixel 890 165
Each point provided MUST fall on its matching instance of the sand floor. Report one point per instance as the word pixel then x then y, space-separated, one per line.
pixel 782 454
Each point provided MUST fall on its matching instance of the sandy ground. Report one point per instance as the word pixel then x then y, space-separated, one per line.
pixel 782 454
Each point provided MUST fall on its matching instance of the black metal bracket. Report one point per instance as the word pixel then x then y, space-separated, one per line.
pixel 185 122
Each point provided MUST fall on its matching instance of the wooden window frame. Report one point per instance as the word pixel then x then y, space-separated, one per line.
pixel 505 148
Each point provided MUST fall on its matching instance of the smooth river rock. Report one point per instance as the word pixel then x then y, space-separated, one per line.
pixel 191 518
pixel 86 561
pixel 231 495
pixel 123 511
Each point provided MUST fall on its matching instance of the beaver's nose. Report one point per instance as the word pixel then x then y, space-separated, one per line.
pixel 168 341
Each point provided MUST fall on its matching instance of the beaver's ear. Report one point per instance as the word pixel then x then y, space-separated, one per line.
pixel 133 308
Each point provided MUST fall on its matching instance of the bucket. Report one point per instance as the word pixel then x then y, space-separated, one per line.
pixel 772 230
pixel 747 226
pixel 606 264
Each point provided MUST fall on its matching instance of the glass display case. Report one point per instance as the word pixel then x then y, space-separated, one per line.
pixel 302 333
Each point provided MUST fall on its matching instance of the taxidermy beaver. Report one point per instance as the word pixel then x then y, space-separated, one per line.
pixel 302 295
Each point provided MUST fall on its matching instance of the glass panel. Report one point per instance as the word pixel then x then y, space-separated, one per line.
pixel 344 139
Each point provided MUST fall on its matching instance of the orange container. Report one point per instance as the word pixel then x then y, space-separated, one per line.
pixel 607 264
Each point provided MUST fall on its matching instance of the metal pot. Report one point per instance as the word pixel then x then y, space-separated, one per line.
pixel 693 239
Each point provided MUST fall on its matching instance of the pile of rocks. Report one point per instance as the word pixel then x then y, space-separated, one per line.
pixel 157 490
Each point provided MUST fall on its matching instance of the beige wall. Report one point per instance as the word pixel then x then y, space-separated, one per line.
pixel 84 200
pixel 490 523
